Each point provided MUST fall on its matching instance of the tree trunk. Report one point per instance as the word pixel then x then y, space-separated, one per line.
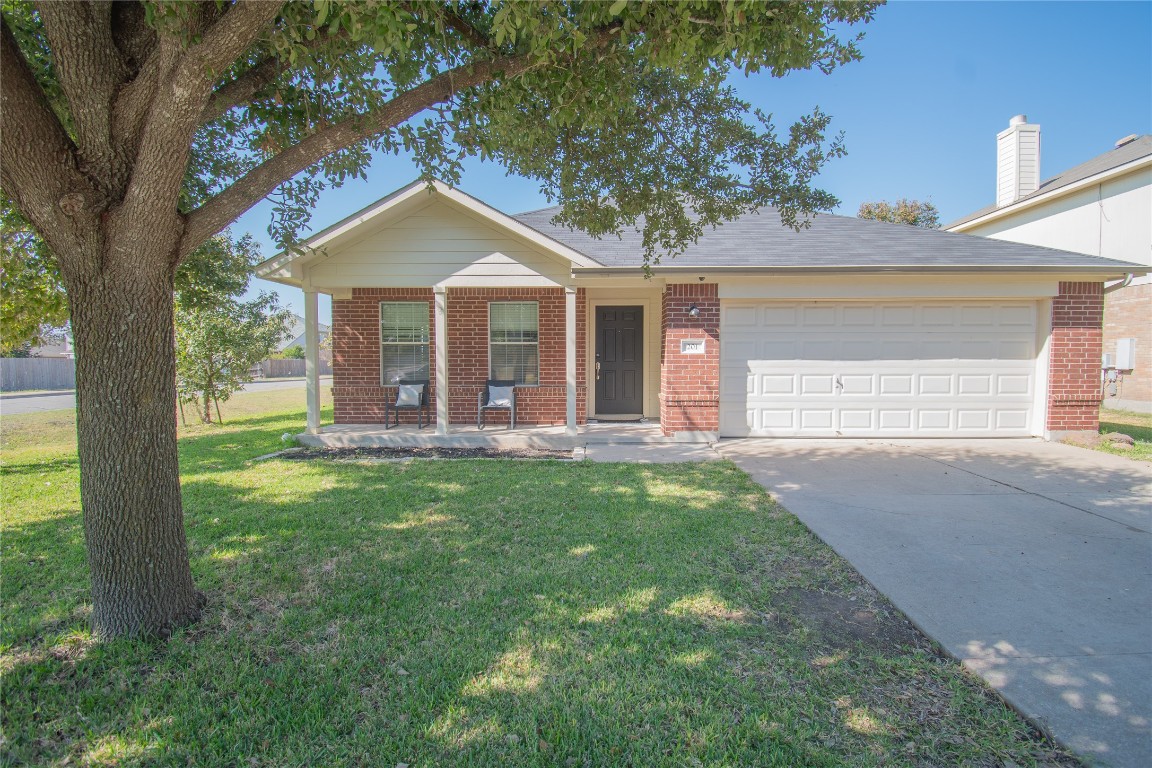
pixel 122 314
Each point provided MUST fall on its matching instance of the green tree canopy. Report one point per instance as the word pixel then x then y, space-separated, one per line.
pixel 915 213
pixel 132 132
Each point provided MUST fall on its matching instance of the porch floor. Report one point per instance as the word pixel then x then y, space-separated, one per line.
pixel 468 436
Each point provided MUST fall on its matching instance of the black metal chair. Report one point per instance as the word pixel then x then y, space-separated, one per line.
pixel 422 408
pixel 484 402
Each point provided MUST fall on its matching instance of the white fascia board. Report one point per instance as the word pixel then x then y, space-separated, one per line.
pixel 1032 202
pixel 274 268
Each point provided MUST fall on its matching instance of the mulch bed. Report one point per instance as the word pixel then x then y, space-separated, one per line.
pixel 427 453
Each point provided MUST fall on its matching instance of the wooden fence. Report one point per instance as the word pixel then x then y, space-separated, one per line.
pixel 279 369
pixel 23 373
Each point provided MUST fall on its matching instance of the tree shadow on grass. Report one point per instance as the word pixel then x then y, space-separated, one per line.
pixel 496 613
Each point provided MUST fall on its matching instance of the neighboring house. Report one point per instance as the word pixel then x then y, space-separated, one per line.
pixel 56 343
pixel 849 328
pixel 1102 207
pixel 294 335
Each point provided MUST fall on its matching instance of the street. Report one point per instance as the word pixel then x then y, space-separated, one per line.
pixel 13 403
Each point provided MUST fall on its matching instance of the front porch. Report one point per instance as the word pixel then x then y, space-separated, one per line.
pixel 408 436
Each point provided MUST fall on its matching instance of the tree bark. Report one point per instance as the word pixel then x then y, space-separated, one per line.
pixel 122 319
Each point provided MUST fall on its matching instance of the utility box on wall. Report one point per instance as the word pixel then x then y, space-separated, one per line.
pixel 1125 354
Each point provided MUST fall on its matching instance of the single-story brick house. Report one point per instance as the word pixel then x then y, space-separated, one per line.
pixel 848 328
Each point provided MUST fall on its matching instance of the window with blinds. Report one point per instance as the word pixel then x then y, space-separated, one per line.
pixel 514 342
pixel 403 341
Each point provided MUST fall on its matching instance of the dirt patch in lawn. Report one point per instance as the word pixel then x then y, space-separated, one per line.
pixel 425 453
pixel 838 621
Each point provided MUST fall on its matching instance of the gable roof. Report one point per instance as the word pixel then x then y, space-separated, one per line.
pixel 1112 160
pixel 759 242
pixel 286 266
pixel 754 242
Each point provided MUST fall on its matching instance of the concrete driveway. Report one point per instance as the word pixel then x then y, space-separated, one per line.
pixel 1029 561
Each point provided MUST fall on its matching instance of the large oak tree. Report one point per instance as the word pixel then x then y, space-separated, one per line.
pixel 134 131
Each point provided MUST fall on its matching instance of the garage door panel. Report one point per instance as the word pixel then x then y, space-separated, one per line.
pixel 1013 385
pixel 892 368
pixel 857 384
pixel 856 420
pixel 896 418
pixel 1012 419
pixel 933 420
pixel 821 384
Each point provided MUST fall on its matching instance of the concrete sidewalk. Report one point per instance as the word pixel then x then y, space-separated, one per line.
pixel 1029 561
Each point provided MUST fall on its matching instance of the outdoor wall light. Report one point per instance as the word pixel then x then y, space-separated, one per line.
pixel 693 311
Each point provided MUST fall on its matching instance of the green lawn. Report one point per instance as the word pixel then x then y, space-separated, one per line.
pixel 477 613
pixel 1135 425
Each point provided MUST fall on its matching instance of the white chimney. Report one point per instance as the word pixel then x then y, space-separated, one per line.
pixel 1017 161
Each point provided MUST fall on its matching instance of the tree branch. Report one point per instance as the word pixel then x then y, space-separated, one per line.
pixel 457 23
pixel 130 32
pixel 228 38
pixel 242 90
pixel 175 112
pixel 90 70
pixel 37 158
pixel 217 213
pixel 251 82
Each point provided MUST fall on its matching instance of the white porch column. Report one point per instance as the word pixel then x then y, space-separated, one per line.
pixel 312 359
pixel 441 331
pixel 570 357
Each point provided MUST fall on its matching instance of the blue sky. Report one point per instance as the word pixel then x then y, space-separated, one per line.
pixel 920 112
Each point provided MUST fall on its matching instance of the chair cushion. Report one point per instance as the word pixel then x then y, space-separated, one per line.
pixel 408 395
pixel 500 397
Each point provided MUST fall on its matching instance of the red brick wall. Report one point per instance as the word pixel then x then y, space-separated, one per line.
pixel 690 384
pixel 1128 315
pixel 357 395
pixel 1074 361
pixel 468 356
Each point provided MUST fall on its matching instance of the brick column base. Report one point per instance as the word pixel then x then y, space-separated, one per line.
pixel 1074 361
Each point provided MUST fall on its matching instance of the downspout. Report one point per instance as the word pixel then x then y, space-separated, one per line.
pixel 1127 281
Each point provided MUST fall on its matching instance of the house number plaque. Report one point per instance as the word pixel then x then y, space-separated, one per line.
pixel 692 346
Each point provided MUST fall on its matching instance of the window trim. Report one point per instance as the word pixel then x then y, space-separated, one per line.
pixel 380 330
pixel 536 304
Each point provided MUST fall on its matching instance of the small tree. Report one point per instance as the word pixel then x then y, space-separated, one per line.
pixel 294 353
pixel 32 300
pixel 218 337
pixel 913 212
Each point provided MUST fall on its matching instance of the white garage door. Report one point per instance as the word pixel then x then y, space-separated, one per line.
pixel 892 369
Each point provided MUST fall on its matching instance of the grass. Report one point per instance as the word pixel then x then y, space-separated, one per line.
pixel 1136 425
pixel 476 613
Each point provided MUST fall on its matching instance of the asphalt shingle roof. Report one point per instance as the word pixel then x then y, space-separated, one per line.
pixel 1133 150
pixel 759 240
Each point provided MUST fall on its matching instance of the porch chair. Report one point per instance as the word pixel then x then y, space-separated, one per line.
pixel 411 395
pixel 497 395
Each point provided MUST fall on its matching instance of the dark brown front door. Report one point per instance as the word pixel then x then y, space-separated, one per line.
pixel 619 360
